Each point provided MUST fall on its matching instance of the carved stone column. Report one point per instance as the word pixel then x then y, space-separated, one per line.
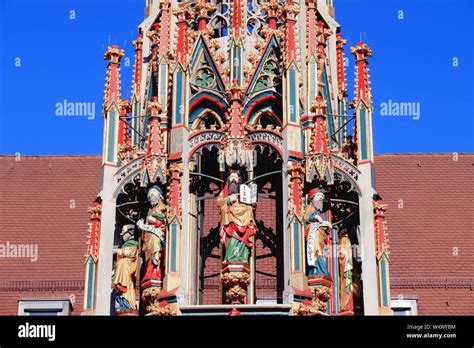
pixel 235 277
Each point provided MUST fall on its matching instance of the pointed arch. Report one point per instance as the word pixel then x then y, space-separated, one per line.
pixel 268 74
pixel 207 101
pixel 264 92
pixel 207 119
pixel 204 72
pixel 261 101
pixel 266 119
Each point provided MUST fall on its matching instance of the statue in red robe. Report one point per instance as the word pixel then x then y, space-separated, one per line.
pixel 237 221
pixel 153 237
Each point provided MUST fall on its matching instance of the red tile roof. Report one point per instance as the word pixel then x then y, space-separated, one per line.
pixel 430 228
pixel 44 200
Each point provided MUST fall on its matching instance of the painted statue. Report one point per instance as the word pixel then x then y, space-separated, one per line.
pixel 345 271
pixel 237 221
pixel 125 271
pixel 317 234
pixel 349 150
pixel 153 236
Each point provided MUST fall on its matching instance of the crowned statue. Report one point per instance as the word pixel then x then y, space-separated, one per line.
pixel 317 234
pixel 125 271
pixel 237 221
pixel 153 237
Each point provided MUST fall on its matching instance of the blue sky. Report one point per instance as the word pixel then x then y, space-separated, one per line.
pixel 61 59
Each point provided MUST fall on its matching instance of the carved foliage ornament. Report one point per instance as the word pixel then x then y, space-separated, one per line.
pixel 235 284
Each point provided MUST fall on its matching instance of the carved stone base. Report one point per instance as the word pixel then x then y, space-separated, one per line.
pixel 159 302
pixel 321 295
pixel 307 308
pixel 162 309
pixel 235 278
pixel 150 296
pixel 320 286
